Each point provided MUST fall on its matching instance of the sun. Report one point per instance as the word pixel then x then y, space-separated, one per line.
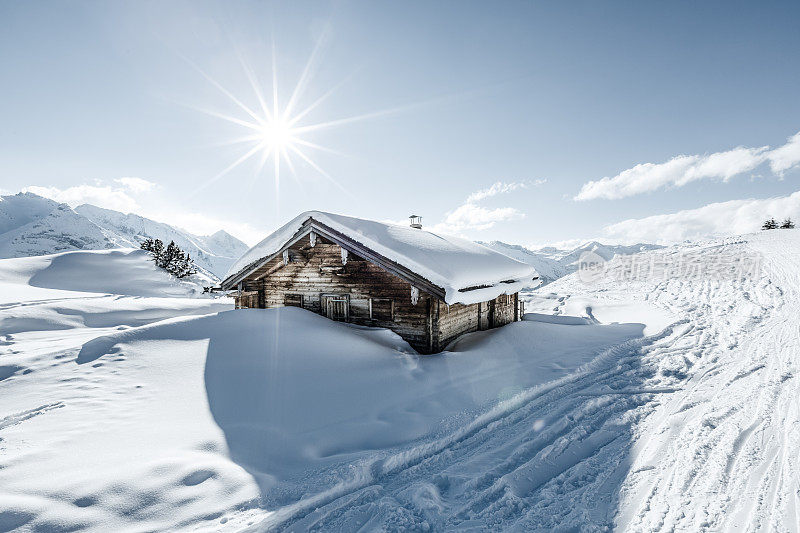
pixel 277 134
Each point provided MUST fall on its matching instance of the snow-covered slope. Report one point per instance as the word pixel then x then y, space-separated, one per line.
pixel 706 417
pixel 215 253
pixel 548 269
pixel 660 399
pixel 194 422
pixel 32 225
pixel 552 263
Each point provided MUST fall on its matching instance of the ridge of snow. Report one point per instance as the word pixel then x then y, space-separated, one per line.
pixel 124 271
pixel 452 263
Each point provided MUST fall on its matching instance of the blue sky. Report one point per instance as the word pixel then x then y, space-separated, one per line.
pixel 499 114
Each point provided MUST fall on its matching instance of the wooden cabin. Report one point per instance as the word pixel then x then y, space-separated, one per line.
pixel 428 288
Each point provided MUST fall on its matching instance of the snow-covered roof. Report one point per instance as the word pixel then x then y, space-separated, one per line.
pixel 466 271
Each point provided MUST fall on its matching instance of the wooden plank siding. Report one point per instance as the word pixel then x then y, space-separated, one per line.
pixel 315 274
pixel 457 319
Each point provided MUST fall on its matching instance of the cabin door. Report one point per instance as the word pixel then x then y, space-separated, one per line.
pixel 491 313
pixel 336 307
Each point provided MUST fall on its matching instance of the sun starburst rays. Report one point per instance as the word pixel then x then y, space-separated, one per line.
pixel 275 133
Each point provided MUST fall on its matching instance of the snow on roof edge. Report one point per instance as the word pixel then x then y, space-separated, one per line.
pixel 451 263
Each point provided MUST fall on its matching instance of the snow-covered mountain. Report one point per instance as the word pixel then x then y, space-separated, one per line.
pixel 548 268
pixel 31 225
pixel 553 263
pixel 214 253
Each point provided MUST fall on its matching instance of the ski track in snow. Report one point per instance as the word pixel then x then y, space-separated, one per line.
pixel 695 428
pixel 515 465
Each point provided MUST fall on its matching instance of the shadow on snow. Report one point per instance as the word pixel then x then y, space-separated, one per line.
pixel 526 426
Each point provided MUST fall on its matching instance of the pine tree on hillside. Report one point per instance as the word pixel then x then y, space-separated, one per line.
pixel 770 224
pixel 172 258
pixel 187 267
pixel 169 256
pixel 154 246
pixel 147 245
pixel 787 224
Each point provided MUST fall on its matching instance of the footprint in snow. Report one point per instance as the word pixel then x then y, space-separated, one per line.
pixel 195 478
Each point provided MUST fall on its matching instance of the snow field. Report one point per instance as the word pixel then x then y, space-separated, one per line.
pixel 651 403
pixel 225 419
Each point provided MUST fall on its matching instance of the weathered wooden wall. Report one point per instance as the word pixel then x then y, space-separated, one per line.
pixel 457 319
pixel 247 299
pixel 315 273
pixel 504 309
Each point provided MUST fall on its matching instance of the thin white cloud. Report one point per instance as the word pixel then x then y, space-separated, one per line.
pixel 683 169
pixel 722 218
pixel 496 188
pixel 471 216
pixel 785 157
pixel 475 217
pixel 203 224
pixel 116 198
pixel 136 185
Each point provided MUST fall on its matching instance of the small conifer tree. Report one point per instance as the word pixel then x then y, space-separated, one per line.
pixel 171 258
pixel 769 224
pixel 787 224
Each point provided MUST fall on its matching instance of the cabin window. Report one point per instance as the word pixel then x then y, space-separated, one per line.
pixel 248 300
pixel 381 309
pixel 293 300
pixel 336 307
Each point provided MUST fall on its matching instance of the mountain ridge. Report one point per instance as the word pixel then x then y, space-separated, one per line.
pixel 32 225
pixel 553 263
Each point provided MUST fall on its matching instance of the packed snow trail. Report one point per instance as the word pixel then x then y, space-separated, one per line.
pixel 724 453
